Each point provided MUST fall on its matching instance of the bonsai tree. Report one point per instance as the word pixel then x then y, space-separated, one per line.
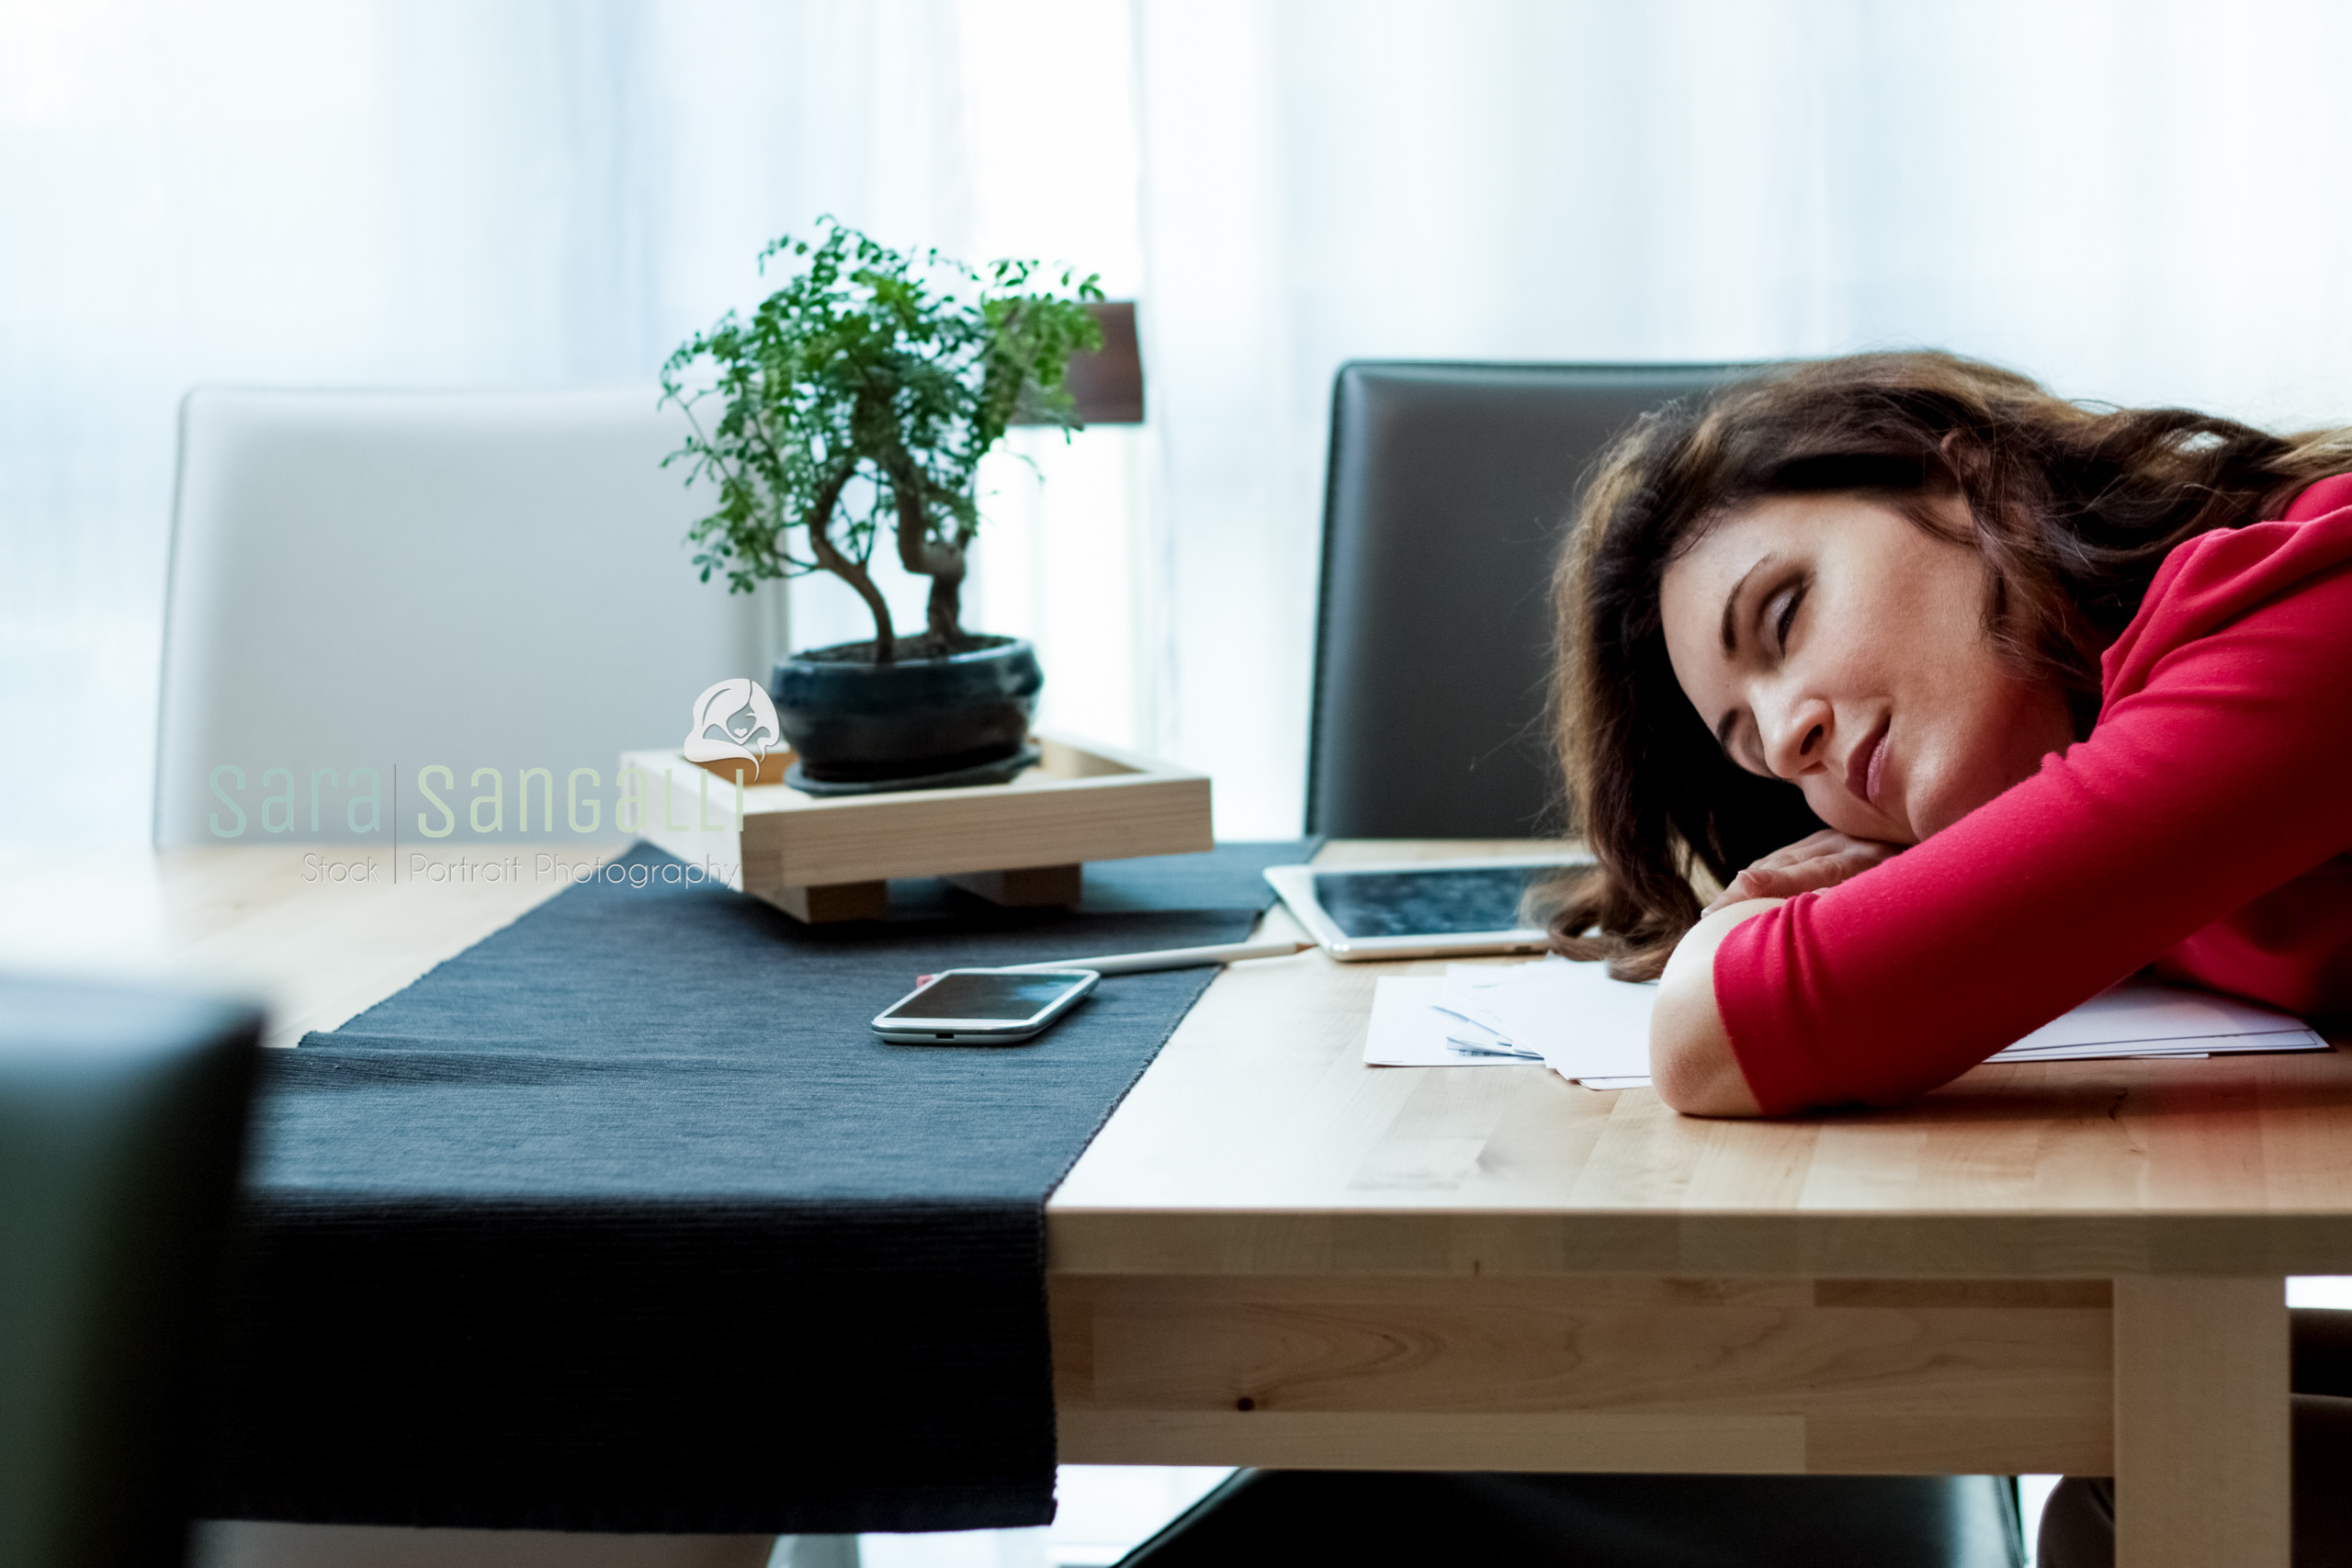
pixel 896 371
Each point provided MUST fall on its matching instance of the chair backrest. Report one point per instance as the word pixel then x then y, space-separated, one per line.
pixel 122 1118
pixel 481 579
pixel 1450 487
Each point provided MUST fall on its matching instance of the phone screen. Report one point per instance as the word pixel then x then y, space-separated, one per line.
pixel 1003 998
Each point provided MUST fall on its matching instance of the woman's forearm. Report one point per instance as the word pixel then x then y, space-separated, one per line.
pixel 1690 1056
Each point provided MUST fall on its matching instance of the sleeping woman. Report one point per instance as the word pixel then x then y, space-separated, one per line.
pixel 1973 702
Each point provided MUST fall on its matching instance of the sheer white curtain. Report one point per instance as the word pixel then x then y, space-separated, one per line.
pixel 442 192
pixel 2135 201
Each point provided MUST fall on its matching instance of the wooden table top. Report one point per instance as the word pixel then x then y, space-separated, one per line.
pixel 1258 1143
pixel 266 922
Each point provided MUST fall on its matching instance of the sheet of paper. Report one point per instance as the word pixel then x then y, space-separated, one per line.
pixel 1580 1022
pixel 1408 1032
pixel 1595 1031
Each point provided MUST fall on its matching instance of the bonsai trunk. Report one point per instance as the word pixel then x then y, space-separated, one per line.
pixel 939 559
pixel 849 570
pixel 943 610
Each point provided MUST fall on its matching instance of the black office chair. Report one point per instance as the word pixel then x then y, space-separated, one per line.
pixel 1450 487
pixel 122 1118
pixel 1279 1518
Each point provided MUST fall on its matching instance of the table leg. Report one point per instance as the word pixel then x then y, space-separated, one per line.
pixel 833 901
pixel 1029 888
pixel 2202 1458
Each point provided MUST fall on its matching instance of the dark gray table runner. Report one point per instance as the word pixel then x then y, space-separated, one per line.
pixel 623 1219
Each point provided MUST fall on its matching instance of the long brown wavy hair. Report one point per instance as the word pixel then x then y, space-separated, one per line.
pixel 2073 507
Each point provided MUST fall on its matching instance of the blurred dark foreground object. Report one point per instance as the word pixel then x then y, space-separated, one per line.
pixel 123 1120
pixel 1261 1518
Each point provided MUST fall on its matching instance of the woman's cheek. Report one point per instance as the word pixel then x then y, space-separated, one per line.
pixel 1840 810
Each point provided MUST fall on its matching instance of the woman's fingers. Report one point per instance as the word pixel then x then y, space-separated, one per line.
pixel 1755 882
pixel 1827 842
pixel 1822 860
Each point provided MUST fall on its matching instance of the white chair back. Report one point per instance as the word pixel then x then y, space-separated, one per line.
pixel 365 582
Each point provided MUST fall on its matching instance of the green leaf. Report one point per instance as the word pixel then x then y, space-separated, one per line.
pixel 868 372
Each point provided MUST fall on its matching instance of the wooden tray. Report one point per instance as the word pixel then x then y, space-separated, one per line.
pixel 828 859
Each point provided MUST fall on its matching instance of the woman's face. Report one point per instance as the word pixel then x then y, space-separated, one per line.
pixel 1830 640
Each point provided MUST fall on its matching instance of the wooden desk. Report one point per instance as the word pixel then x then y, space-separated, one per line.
pixel 1274 1254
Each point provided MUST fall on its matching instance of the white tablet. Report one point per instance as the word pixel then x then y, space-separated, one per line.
pixel 1422 908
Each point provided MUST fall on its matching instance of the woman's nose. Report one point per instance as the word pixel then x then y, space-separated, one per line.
pixel 1796 742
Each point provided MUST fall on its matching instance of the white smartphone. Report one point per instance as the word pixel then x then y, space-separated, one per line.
pixel 982 1007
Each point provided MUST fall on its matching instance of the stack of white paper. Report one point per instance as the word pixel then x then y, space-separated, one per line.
pixel 1588 1026
pixel 2163 1021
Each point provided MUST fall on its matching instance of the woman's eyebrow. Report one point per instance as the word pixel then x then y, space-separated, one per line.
pixel 1731 607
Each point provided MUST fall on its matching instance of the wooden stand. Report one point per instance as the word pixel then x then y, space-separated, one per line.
pixel 824 859
pixel 837 901
pixel 1029 886
pixel 736 770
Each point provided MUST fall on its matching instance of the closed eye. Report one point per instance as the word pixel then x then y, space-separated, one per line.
pixel 1787 619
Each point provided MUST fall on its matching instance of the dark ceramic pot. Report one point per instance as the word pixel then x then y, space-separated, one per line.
pixel 853 722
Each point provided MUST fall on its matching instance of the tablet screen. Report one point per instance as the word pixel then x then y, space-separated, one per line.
pixel 1427 903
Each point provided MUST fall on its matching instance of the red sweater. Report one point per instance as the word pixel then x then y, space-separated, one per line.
pixel 2202 827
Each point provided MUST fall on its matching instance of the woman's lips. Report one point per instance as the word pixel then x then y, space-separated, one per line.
pixel 1866 769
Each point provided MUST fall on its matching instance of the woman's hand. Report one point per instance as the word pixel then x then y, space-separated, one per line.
pixel 1824 860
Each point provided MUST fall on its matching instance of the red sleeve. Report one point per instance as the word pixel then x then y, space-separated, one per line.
pixel 2221 767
